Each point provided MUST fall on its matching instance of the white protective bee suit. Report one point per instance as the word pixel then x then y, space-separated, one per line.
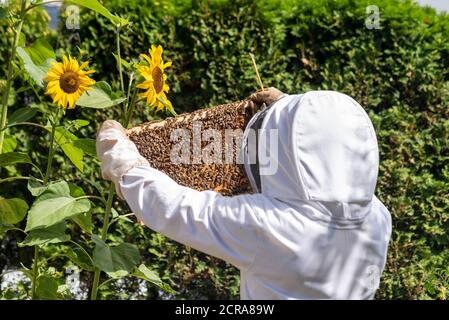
pixel 315 230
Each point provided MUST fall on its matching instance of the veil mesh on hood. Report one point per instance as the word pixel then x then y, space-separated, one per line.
pixel 324 152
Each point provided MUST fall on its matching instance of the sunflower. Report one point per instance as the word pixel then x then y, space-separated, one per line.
pixel 67 81
pixel 154 83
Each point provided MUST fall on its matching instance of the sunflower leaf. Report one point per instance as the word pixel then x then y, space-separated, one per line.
pixel 9 144
pixel 98 8
pixel 37 59
pixel 142 272
pixel 99 97
pixel 53 234
pixel 21 115
pixel 46 288
pixel 48 212
pixel 84 221
pixel 36 187
pixel 12 211
pixel 116 261
pixel 81 258
pixel 66 141
pixel 40 51
pixel 10 158
pixel 3 13
pixel 124 63
pixel 87 145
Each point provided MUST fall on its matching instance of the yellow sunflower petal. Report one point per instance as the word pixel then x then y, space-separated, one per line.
pixel 52 75
pixel 57 68
pixel 74 65
pixel 166 65
pixel 65 63
pixel 156 54
pixel 67 81
pixel 144 85
pixel 165 99
pixel 151 97
pixel 89 71
pixel 146 57
pixel 154 79
pixel 84 65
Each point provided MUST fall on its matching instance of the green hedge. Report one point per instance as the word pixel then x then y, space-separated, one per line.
pixel 399 73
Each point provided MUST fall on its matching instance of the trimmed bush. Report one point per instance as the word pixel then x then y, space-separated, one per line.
pixel 399 73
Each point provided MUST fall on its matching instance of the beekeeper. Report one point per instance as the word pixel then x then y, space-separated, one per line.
pixel 312 229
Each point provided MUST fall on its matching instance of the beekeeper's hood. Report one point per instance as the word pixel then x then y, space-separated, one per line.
pixel 317 151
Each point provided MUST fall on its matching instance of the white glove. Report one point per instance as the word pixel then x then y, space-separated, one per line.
pixel 117 153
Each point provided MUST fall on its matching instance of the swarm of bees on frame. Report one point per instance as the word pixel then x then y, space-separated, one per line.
pixel 155 142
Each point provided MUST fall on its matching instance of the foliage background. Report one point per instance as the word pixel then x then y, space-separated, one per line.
pixel 399 73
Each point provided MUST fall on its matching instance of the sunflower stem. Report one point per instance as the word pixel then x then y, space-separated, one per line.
pixel 32 6
pixel 10 74
pixel 51 153
pixel 35 271
pixel 128 94
pixel 108 208
pixel 104 233
pixel 131 108
pixel 14 178
pixel 120 71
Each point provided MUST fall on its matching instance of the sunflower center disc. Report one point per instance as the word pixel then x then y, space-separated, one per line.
pixel 158 79
pixel 69 82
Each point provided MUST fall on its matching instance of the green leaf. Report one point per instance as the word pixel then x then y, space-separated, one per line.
pixel 9 144
pixel 65 140
pixel 150 276
pixel 87 145
pixel 99 97
pixel 55 205
pixel 75 190
pixel 48 212
pixel 22 39
pixel 23 89
pixel 125 63
pixel 21 115
pixel 10 158
pixel 103 85
pixel 97 7
pixel 114 213
pixel 46 288
pixel 3 13
pixel 52 190
pixel 12 210
pixel 80 258
pixel 53 234
pixel 6 227
pixel 80 123
pixel 84 221
pixel 37 59
pixel 55 189
pixel 37 73
pixel 35 187
pixel 40 51
pixel 115 261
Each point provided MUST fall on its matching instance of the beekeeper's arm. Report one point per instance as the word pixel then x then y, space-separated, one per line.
pixel 225 227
